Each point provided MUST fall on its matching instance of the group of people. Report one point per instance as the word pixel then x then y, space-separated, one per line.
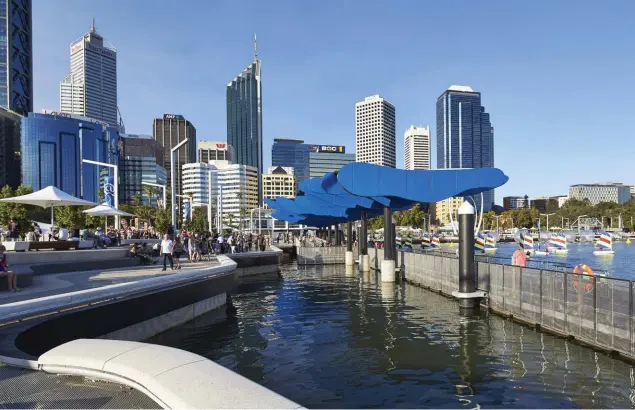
pixel 198 245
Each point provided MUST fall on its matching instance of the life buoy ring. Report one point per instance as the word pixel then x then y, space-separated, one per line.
pixel 587 280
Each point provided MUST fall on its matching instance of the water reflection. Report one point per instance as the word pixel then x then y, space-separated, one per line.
pixel 329 339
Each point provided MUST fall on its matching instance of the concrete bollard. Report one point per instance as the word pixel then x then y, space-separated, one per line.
pixel 469 297
pixel 365 263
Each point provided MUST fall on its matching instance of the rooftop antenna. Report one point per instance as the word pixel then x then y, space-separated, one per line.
pixel 255 48
pixel 92 27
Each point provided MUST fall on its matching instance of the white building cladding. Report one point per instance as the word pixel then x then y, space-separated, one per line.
pixel 375 131
pixel 279 182
pixel 239 185
pixel 90 89
pixel 417 148
pixel 601 192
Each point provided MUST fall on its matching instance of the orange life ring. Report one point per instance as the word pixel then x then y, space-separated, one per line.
pixel 587 280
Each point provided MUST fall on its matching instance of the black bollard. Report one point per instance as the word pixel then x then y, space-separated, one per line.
pixel 349 236
pixel 388 264
pixel 468 296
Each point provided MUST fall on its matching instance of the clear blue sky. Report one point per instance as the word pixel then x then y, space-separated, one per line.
pixel 557 77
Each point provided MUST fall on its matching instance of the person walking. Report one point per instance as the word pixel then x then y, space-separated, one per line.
pixel 166 250
pixel 177 250
pixel 14 232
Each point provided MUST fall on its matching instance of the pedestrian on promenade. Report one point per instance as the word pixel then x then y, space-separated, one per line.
pixel 14 231
pixel 4 271
pixel 519 258
pixel 166 249
pixel 177 251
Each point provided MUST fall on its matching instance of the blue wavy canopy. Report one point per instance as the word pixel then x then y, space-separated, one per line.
pixel 360 187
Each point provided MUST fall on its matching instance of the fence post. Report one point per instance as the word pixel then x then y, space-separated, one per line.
pixel 595 306
pixel 520 290
pixel 566 297
pixel 540 296
pixel 630 314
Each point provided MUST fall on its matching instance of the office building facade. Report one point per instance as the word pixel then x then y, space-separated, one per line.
pixel 279 182
pixel 601 192
pixel 16 56
pixel 140 161
pixel 90 89
pixel 54 145
pixel 515 202
pixel 10 158
pixel 170 131
pixel 465 136
pixel 214 151
pixel 375 132
pixel 443 209
pixel 244 116
pixel 417 148
pixel 293 153
pixel 322 162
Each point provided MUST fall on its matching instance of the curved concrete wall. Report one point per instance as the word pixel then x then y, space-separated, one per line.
pixel 173 378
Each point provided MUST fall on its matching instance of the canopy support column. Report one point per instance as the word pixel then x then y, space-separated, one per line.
pixel 364 259
pixel 388 264
pixel 349 244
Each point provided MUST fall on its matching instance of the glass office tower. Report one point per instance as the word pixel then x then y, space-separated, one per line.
pixel 292 153
pixel 53 147
pixel 16 50
pixel 321 163
pixel 244 117
pixel 465 136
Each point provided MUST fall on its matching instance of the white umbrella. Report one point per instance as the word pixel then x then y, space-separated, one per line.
pixel 48 197
pixel 105 210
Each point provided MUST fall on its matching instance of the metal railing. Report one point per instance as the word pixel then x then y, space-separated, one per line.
pixel 595 310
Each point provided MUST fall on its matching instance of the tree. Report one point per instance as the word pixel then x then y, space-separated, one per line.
pixel 70 216
pixel 149 191
pixel 145 213
pixel 199 222
pixel 18 212
pixel 136 200
pixel 376 223
pixel 163 220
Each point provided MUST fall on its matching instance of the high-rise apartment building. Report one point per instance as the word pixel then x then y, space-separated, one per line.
pixel 279 182
pixel 244 117
pixel 90 89
pixel 417 148
pixel 465 136
pixel 443 209
pixel 140 161
pixel 287 152
pixel 328 158
pixel 16 61
pixel 238 183
pixel 169 131
pixel 601 192
pixel 375 131
pixel 214 151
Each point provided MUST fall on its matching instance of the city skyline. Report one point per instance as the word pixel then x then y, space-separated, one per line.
pixel 538 117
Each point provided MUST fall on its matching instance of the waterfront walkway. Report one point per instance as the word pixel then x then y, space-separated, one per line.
pixel 59 283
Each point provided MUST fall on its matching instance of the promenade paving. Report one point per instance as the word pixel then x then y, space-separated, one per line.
pixel 59 283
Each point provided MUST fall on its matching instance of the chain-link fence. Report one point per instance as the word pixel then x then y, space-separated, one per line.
pixel 596 310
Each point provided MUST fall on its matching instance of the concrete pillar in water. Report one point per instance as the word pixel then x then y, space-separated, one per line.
pixel 349 244
pixel 364 262
pixel 388 264
pixel 469 297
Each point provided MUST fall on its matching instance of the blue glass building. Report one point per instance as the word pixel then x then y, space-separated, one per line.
pixel 292 153
pixel 54 145
pixel 244 118
pixel 16 50
pixel 465 136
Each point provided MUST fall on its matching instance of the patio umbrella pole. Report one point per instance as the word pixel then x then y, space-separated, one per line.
pixel 52 217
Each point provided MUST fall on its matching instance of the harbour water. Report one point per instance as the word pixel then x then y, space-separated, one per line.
pixel 620 265
pixel 328 338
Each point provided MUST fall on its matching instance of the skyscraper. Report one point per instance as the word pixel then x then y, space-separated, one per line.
pixel 169 131
pixel 140 161
pixel 465 136
pixel 16 64
pixel 375 131
pixel 287 152
pixel 244 117
pixel 417 148
pixel 90 89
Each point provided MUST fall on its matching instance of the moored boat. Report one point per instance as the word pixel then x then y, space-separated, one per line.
pixel 604 245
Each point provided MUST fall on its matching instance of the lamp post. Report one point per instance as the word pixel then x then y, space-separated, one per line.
pixel 497 219
pixel 547 215
pixel 116 183
pixel 173 179
pixel 581 216
pixel 209 197
pixel 163 187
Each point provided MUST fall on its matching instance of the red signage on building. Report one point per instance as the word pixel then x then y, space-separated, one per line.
pixel 220 146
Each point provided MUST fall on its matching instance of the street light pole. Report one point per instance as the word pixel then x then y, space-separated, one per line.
pixel 163 187
pixel 173 179
pixel 581 216
pixel 547 215
pixel 116 183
